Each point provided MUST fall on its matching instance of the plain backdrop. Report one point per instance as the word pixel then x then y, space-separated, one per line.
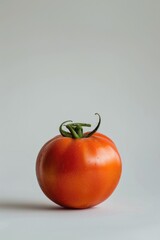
pixel 63 60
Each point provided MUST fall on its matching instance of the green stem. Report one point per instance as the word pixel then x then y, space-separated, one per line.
pixel 64 133
pixel 76 129
pixel 79 131
pixel 96 128
pixel 72 131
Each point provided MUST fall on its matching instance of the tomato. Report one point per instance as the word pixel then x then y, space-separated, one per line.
pixel 77 170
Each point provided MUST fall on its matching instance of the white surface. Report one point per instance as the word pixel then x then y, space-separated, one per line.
pixel 63 60
pixel 114 219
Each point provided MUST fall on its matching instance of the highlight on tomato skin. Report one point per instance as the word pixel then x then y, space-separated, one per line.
pixel 76 169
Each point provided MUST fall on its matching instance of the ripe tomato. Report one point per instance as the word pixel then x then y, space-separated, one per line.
pixel 77 170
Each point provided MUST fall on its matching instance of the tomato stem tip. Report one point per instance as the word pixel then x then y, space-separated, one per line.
pixel 76 129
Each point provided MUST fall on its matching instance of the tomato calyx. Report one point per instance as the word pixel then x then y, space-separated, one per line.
pixel 76 129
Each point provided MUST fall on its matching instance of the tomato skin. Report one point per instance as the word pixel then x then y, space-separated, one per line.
pixel 78 173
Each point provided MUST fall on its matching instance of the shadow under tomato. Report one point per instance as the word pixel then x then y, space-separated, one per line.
pixel 14 205
pixel 26 206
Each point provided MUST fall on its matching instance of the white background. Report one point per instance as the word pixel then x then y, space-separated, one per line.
pixel 63 60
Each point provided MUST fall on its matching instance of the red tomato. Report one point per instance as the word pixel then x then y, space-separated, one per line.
pixel 77 170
